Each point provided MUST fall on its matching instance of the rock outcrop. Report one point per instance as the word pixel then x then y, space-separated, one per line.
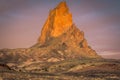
pixel 59 29
pixel 60 40
pixel 58 22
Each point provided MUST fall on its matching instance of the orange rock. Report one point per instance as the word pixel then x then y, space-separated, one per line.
pixel 58 21
pixel 60 40
pixel 59 29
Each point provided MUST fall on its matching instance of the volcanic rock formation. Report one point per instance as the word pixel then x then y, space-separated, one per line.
pixel 59 31
pixel 61 53
pixel 60 40
pixel 58 22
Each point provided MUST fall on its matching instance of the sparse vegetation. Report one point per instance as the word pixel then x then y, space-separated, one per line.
pixel 72 69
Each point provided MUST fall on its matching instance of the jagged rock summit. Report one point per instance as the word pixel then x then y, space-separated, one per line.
pixel 59 31
pixel 61 53
pixel 58 21
pixel 60 40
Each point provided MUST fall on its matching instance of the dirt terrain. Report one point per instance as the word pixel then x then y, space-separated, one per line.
pixel 74 69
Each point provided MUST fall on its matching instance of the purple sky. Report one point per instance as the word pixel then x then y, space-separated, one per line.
pixel 21 22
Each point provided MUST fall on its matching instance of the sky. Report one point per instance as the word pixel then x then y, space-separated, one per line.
pixel 21 22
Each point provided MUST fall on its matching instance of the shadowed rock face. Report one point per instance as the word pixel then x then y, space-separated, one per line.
pixel 4 67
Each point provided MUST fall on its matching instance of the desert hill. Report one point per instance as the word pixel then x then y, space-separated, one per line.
pixel 60 39
pixel 60 53
pixel 60 33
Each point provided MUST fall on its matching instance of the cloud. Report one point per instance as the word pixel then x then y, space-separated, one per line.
pixel 111 54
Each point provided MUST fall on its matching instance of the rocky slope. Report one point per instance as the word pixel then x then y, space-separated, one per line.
pixel 72 69
pixel 61 53
pixel 60 40
pixel 60 33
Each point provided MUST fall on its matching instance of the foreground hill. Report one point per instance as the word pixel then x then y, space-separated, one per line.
pixel 73 69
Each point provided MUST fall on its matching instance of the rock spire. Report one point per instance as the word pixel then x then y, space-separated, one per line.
pixel 58 21
pixel 60 33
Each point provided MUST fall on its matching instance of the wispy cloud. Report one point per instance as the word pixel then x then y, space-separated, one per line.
pixel 111 54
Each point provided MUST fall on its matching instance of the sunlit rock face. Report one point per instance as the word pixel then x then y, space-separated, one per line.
pixel 58 21
pixel 60 40
pixel 59 30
